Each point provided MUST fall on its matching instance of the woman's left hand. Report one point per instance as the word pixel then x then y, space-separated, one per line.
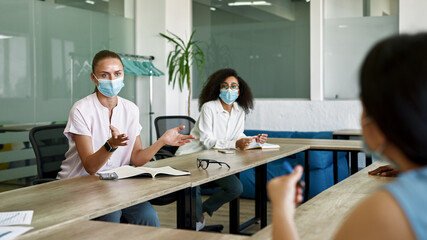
pixel 262 138
pixel 174 138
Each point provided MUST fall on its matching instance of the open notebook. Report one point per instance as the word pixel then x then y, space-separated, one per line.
pixel 255 145
pixel 129 171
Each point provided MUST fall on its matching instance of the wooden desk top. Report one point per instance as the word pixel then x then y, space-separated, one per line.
pixel 87 197
pixel 321 216
pixel 84 197
pixel 21 127
pixel 348 132
pixel 238 161
pixel 321 144
pixel 114 231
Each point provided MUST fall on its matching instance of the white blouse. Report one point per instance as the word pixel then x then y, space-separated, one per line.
pixel 216 128
pixel 90 118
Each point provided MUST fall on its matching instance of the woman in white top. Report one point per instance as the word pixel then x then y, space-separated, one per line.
pixel 103 131
pixel 223 104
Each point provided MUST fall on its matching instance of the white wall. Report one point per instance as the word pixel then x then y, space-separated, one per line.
pixel 413 17
pixel 179 22
pixel 150 19
pixel 153 17
pixel 280 114
pixel 300 115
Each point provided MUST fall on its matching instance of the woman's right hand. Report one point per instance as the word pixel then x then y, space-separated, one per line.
pixel 284 191
pixel 243 143
pixel 385 171
pixel 117 139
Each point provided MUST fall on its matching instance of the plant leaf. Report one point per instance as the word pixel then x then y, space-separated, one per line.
pixel 183 45
pixel 172 40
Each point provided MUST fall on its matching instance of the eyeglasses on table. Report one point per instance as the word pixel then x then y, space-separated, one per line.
pixel 204 163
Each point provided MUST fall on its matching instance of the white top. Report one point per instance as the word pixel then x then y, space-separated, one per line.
pixel 90 118
pixel 216 128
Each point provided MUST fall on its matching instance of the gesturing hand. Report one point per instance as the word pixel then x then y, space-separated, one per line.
pixel 117 139
pixel 174 138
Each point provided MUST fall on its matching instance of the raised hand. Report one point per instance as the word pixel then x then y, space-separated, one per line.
pixel 174 138
pixel 117 139
pixel 284 191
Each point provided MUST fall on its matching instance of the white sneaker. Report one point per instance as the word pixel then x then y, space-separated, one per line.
pixel 201 225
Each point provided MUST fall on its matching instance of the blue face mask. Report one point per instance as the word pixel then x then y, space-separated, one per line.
pixel 229 95
pixel 110 88
pixel 377 154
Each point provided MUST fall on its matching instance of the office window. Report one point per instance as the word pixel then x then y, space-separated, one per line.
pixel 46 50
pixel 351 28
pixel 268 43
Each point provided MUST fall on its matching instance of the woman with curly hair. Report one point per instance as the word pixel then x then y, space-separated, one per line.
pixel 223 103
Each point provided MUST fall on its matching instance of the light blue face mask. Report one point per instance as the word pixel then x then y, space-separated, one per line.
pixel 377 154
pixel 229 95
pixel 110 88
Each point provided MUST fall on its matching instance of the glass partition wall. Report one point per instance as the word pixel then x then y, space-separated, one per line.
pixel 351 28
pixel 266 42
pixel 46 49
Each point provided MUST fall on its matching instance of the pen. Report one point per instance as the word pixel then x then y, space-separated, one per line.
pixel 5 233
pixel 289 168
pixel 257 136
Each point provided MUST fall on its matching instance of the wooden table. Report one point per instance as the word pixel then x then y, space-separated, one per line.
pixel 321 216
pixel 347 133
pixel 353 146
pixel 114 231
pixel 21 127
pixel 243 160
pixel 238 161
pixel 85 197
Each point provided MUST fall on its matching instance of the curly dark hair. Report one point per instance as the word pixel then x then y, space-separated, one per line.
pixel 212 89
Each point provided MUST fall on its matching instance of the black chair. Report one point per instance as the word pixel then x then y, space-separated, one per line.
pixel 162 124
pixel 50 145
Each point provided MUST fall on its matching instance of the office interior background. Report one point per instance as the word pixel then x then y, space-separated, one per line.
pixel 301 58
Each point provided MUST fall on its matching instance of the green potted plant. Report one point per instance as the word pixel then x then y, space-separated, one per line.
pixel 180 61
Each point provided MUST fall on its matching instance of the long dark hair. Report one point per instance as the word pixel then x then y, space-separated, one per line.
pixel 212 88
pixel 101 55
pixel 393 83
